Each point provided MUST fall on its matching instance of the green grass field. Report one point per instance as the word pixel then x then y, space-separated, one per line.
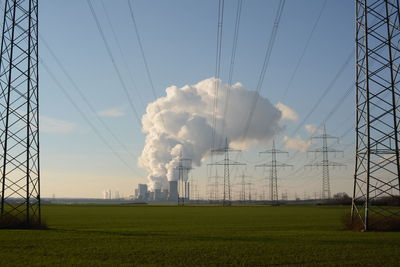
pixel 92 235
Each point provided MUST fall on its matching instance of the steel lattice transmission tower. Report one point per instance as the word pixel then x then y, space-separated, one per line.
pixel 273 168
pixel 242 193
pixel 214 185
pixel 226 162
pixel 19 113
pixel 325 163
pixel 377 166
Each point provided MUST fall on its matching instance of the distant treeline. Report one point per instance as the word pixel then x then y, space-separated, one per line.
pixel 344 199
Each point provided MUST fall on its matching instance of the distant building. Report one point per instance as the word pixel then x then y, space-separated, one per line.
pixel 173 191
pixel 164 194
pixel 107 194
pixel 150 196
pixel 136 193
pixel 157 195
pixel 142 192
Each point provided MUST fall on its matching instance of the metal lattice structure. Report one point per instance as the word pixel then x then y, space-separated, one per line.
pixel 214 184
pixel 19 113
pixel 243 184
pixel 325 163
pixel 273 168
pixel 377 167
pixel 227 163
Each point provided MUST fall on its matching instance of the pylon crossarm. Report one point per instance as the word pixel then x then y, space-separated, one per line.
pixel 326 136
pixel 276 151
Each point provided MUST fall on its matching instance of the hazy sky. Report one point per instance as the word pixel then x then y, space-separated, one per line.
pixel 179 40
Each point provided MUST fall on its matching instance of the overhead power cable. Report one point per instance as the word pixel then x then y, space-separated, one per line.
pixel 84 98
pixel 264 68
pixel 121 52
pixel 110 54
pixel 335 107
pixel 146 65
pixel 340 102
pixel 85 118
pixel 325 92
pixel 304 50
pixel 217 68
pixel 232 63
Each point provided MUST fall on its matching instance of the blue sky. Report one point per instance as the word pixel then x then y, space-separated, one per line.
pixel 179 40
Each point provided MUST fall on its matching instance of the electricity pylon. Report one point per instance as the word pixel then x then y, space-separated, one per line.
pixel 226 162
pixel 19 114
pixel 325 163
pixel 377 164
pixel 183 168
pixel 214 185
pixel 242 196
pixel 273 168
pixel 249 191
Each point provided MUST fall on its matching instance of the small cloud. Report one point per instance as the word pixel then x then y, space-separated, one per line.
pixel 112 112
pixel 51 125
pixel 287 113
pixel 311 128
pixel 296 143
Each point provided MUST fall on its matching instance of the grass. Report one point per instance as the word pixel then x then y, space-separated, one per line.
pixel 93 235
pixel 10 221
pixel 376 223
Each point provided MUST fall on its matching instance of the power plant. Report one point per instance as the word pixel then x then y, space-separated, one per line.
pixel 173 191
pixel 142 193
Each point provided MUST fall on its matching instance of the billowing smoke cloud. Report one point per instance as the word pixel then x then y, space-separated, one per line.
pixel 183 119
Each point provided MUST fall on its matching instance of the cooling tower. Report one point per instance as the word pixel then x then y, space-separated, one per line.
pixel 173 191
pixel 157 194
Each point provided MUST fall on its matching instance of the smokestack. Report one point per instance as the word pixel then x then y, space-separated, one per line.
pixel 173 191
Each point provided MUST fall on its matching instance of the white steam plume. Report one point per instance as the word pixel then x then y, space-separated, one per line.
pixel 182 121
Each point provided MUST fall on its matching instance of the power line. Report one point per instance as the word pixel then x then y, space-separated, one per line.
pixel 86 119
pixel 304 50
pixel 232 63
pixel 84 98
pixel 265 65
pixel 146 65
pixel 125 89
pixel 325 92
pixel 122 54
pixel 340 102
pixel 217 68
pixel 334 109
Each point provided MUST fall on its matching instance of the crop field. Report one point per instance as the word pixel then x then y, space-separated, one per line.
pixel 125 235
